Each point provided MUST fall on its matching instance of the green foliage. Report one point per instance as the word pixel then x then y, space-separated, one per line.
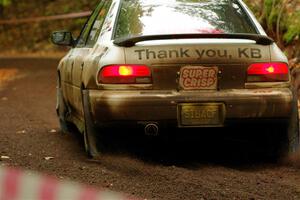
pixel 293 28
pixel 271 10
pixel 278 17
pixel 5 2
pixel 34 37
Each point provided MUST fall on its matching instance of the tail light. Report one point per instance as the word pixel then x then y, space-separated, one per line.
pixel 125 74
pixel 268 72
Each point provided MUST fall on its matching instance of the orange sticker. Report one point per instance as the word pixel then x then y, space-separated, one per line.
pixel 198 78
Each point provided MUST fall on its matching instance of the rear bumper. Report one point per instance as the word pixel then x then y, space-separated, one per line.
pixel 142 106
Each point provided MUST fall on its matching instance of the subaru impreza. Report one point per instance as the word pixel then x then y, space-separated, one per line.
pixel 174 63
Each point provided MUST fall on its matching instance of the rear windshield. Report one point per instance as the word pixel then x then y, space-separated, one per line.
pixel 156 17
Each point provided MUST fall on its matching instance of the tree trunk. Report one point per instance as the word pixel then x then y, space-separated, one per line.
pixel 1 11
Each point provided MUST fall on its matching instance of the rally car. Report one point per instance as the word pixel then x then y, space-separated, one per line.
pixel 174 63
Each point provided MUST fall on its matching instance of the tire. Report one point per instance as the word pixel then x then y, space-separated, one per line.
pixel 293 140
pixel 62 111
pixel 90 134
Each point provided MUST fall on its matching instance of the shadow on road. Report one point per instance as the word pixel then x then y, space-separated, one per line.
pixel 238 148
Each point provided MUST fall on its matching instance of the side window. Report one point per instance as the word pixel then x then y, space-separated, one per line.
pixel 97 26
pixel 81 41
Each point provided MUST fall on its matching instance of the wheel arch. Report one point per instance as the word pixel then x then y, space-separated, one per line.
pixel 58 79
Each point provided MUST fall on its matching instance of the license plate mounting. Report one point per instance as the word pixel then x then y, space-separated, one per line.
pixel 201 114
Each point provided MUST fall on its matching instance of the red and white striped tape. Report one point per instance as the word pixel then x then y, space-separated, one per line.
pixel 18 185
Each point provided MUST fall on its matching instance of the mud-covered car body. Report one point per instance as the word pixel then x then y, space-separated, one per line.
pixel 173 63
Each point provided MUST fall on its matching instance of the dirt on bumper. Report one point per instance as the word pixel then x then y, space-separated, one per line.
pixel 107 106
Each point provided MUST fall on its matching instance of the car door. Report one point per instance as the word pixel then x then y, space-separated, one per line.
pixel 66 75
pixel 83 51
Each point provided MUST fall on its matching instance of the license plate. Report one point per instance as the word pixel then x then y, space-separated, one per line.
pixel 198 78
pixel 201 115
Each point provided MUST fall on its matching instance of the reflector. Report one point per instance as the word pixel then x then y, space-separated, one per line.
pixel 268 72
pixel 125 71
pixel 268 68
pixel 271 69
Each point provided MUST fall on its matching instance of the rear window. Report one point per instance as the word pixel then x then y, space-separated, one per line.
pixel 156 17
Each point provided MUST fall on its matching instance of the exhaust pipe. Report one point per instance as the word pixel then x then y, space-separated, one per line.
pixel 151 129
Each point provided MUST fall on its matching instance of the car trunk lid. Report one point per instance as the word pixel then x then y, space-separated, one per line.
pixel 166 58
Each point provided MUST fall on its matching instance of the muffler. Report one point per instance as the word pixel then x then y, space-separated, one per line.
pixel 151 129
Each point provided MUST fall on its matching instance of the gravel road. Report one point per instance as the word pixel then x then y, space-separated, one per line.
pixel 149 168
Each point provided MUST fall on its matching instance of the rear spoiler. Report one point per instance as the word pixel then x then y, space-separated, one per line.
pixel 131 41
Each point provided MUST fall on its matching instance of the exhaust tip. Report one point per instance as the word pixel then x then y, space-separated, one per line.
pixel 151 129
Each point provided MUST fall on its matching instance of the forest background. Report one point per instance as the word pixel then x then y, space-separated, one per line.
pixel 280 19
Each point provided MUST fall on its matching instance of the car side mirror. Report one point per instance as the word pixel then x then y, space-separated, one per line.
pixel 63 38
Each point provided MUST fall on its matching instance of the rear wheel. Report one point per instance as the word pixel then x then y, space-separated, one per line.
pixel 62 111
pixel 285 139
pixel 291 142
pixel 90 134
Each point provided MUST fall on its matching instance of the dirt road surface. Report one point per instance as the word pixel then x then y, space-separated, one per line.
pixel 147 168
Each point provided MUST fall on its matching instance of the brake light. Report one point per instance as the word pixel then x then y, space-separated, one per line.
pixel 125 74
pixel 268 72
